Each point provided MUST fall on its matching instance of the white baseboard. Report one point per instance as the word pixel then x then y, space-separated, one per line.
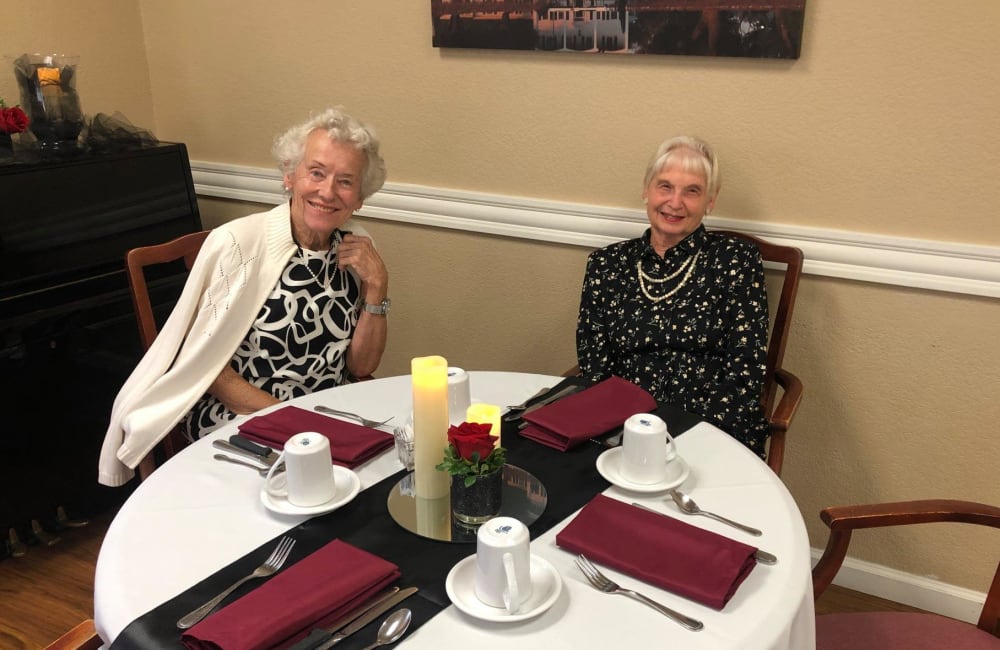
pixel 909 589
pixel 924 264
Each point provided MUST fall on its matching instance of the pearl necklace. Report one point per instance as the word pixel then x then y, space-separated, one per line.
pixel 688 264
pixel 326 262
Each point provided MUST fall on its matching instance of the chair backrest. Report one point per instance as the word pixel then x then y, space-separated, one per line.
pixel 779 415
pixel 184 248
pixel 842 520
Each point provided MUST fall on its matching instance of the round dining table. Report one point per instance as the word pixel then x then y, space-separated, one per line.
pixel 195 514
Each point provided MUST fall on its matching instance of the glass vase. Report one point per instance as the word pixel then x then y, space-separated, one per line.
pixel 48 95
pixel 477 503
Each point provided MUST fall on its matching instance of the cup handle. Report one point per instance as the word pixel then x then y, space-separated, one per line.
pixel 511 595
pixel 277 491
pixel 671 448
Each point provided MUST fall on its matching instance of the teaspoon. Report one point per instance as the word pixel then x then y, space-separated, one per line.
pixel 392 628
pixel 688 506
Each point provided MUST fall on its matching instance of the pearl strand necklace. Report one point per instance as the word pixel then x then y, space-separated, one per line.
pixel 689 264
pixel 326 263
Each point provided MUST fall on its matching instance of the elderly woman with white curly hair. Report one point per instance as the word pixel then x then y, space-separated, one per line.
pixel 278 304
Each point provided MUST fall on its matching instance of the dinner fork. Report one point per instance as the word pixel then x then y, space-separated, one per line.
pixel 608 586
pixel 354 416
pixel 270 567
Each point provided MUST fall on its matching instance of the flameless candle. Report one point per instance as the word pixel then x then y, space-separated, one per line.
pixel 430 425
pixel 485 414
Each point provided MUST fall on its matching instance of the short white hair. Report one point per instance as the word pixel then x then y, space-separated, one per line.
pixel 290 147
pixel 690 154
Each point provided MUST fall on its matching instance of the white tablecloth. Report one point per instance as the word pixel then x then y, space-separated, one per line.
pixel 194 515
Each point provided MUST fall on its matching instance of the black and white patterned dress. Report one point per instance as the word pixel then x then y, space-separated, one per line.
pixel 298 343
pixel 703 348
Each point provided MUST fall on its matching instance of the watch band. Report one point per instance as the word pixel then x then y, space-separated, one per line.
pixel 378 309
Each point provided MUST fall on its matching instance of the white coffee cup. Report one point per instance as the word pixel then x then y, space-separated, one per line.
pixel 647 449
pixel 308 476
pixel 503 564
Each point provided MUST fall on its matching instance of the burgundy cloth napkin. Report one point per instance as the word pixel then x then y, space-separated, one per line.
pixel 314 591
pixel 572 420
pixel 681 558
pixel 350 444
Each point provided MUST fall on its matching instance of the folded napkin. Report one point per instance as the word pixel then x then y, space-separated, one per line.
pixel 350 444
pixel 572 420
pixel 681 558
pixel 314 591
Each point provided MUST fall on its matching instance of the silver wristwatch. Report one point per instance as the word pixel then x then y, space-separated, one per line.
pixel 379 309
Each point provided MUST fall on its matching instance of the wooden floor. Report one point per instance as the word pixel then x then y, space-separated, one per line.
pixel 51 588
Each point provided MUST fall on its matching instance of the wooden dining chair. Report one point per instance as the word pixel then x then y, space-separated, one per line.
pixel 910 630
pixel 137 263
pixel 83 636
pixel 779 411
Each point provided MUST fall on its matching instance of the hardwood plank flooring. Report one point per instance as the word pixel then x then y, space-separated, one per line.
pixel 51 588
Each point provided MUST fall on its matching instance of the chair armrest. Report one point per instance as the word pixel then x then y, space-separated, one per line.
pixel 791 395
pixel 82 637
pixel 781 417
pixel 843 520
pixel 902 513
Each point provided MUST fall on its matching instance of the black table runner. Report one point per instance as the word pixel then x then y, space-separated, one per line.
pixel 571 480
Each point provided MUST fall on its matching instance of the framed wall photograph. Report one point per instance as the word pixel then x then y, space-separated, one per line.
pixel 734 28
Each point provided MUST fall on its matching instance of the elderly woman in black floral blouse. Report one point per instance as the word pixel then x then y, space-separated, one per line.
pixel 681 311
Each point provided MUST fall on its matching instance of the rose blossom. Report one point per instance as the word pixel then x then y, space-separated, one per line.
pixel 13 120
pixel 471 437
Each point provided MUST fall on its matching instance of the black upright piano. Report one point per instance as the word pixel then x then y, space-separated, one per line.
pixel 68 337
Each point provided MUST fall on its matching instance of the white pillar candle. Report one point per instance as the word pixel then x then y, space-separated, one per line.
pixel 430 425
pixel 485 414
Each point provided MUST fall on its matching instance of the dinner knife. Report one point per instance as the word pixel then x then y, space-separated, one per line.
pixel 322 638
pixel 250 445
pixel 763 557
pixel 233 449
pixel 566 391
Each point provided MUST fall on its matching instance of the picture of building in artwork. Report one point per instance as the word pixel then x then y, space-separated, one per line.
pixel 738 28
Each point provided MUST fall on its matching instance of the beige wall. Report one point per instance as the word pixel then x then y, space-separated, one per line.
pixel 886 124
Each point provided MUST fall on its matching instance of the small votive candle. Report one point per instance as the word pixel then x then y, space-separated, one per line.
pixel 485 414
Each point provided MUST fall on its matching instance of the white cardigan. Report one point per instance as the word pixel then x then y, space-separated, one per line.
pixel 237 267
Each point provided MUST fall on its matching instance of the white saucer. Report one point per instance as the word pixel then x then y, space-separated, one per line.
pixel 546 585
pixel 347 485
pixel 609 464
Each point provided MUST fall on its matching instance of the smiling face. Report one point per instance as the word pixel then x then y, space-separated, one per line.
pixel 326 189
pixel 676 202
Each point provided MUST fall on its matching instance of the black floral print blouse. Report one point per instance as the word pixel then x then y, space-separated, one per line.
pixel 703 348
